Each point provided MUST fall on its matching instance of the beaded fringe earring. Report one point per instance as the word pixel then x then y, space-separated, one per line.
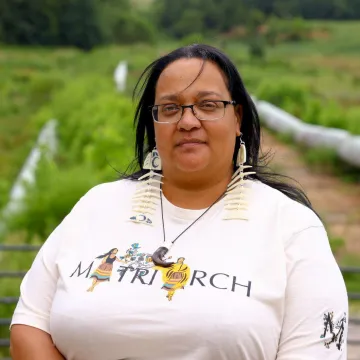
pixel 147 194
pixel 236 199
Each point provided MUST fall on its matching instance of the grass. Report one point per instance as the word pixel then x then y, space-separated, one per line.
pixel 14 261
pixel 30 77
pixel 321 160
pixel 352 281
pixel 327 69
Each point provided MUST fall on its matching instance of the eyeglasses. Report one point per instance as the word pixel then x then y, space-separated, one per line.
pixel 205 110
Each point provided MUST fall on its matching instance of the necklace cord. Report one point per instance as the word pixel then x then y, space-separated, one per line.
pixel 163 223
pixel 162 216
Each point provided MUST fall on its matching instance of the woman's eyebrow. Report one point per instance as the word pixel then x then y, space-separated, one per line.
pixel 206 93
pixel 169 97
pixel 175 97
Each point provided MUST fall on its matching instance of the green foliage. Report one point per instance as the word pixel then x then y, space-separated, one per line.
pixel 195 38
pixel 51 22
pixel 301 101
pixel 257 48
pixel 124 24
pixel 4 192
pixel 352 280
pixel 132 28
pixel 48 201
pixel 337 245
pixel 29 79
pixel 293 30
pixel 95 137
pixel 42 86
pixel 103 127
pixel 180 19
pixel 284 93
pixel 24 22
pixel 321 9
pixel 80 23
pixel 190 21
pixel 88 23
pixel 321 158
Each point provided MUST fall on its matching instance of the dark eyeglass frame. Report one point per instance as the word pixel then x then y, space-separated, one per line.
pixel 191 106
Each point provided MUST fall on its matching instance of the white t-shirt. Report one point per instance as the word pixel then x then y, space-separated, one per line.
pixel 263 289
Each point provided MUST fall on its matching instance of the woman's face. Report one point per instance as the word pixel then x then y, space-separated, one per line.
pixel 209 145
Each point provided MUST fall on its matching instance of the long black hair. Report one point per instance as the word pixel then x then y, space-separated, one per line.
pixel 106 254
pixel 250 125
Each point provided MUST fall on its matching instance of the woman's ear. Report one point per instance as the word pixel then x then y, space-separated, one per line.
pixel 239 116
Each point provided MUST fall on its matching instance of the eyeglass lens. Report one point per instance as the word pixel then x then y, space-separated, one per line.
pixel 208 110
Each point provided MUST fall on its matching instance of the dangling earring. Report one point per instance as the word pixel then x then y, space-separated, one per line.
pixel 237 195
pixel 241 155
pixel 152 161
pixel 147 194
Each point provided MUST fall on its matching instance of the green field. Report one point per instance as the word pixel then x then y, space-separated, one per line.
pixel 317 80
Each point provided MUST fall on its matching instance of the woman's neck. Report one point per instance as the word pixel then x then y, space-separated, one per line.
pixel 192 193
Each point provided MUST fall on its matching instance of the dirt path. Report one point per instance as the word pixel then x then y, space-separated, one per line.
pixel 337 202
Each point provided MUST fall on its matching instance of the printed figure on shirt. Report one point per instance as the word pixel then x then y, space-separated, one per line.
pixel 131 253
pixel 336 337
pixel 134 259
pixel 174 277
pixel 104 270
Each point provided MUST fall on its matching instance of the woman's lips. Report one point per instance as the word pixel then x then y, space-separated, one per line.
pixel 190 143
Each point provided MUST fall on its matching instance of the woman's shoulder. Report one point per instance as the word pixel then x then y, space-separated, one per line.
pixel 106 195
pixel 113 188
pixel 290 212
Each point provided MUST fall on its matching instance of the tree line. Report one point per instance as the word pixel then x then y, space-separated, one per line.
pixel 199 16
pixel 87 23
pixel 80 23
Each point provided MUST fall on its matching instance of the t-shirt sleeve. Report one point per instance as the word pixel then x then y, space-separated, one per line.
pixel 39 285
pixel 316 303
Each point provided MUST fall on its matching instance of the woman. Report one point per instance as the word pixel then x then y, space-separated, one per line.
pixel 174 277
pixel 253 286
pixel 104 270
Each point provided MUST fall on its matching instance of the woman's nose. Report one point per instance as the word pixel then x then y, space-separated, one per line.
pixel 188 120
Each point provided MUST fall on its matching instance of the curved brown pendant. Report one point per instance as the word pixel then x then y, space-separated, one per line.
pixel 159 255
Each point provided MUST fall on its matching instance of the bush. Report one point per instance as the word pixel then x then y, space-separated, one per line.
pixel 285 94
pixel 51 22
pixel 4 194
pixel 95 136
pixel 300 101
pixel 190 21
pixel 96 131
pixel 131 28
pixel 293 30
pixel 196 38
pixel 49 200
pixel 337 245
pixel 42 86
pixel 257 48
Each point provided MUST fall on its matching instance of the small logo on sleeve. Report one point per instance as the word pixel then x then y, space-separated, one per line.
pixel 334 333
